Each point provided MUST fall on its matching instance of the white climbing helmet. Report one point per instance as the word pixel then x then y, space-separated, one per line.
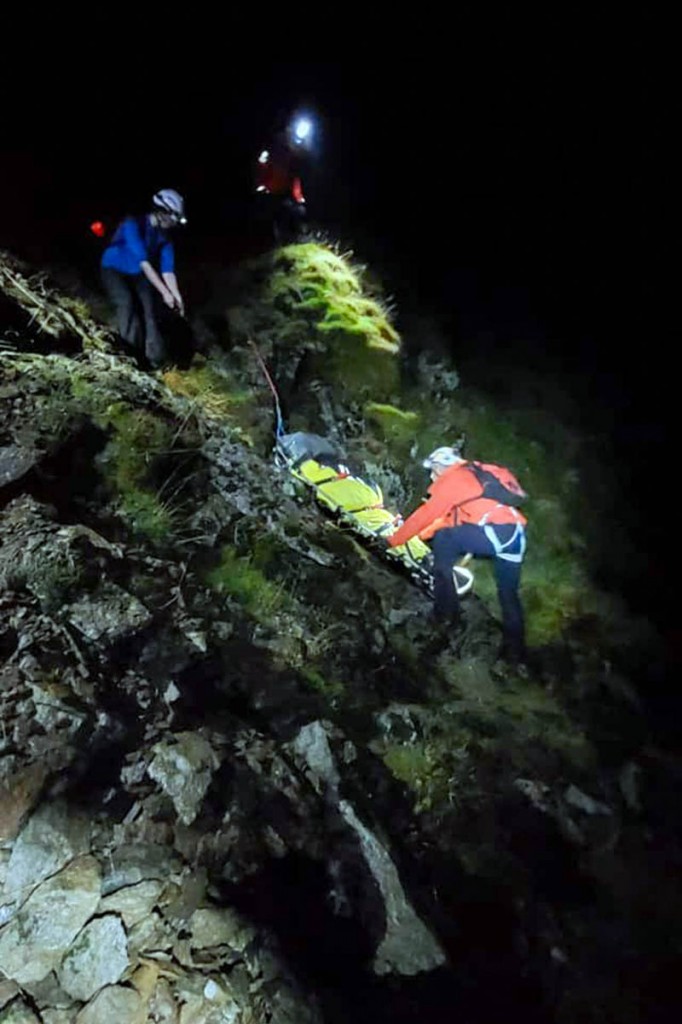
pixel 445 456
pixel 171 202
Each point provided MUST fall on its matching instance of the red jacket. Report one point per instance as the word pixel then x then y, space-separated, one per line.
pixel 454 500
pixel 277 176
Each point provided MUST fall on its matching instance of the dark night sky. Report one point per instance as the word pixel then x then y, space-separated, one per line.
pixel 485 159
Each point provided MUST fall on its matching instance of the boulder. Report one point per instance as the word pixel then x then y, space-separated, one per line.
pixel 183 768
pixel 37 938
pixel 98 957
pixel 113 1005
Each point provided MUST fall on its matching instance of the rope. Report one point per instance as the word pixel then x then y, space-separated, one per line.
pixel 279 428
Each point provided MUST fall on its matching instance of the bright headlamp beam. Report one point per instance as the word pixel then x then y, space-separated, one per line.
pixel 302 128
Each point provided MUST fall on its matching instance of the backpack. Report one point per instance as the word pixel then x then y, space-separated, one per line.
pixel 498 484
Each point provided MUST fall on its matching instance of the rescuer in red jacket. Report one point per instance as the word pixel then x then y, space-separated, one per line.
pixel 463 515
pixel 279 184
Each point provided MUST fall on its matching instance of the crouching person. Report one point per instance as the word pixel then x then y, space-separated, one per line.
pixel 472 509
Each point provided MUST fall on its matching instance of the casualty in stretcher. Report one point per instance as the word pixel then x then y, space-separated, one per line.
pixel 358 502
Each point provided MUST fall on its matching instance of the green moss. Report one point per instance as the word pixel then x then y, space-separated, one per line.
pixel 555 595
pixel 399 428
pixel 428 769
pixel 138 438
pixel 318 265
pixel 83 390
pixel 356 315
pixel 539 718
pixel 132 461
pixel 323 293
pixel 516 712
pixel 328 687
pixel 237 576
pixel 52 577
pixel 357 370
pixel 139 443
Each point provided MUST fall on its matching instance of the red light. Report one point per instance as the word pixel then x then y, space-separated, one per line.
pixel 98 228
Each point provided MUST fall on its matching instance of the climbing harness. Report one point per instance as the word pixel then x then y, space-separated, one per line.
pixel 500 548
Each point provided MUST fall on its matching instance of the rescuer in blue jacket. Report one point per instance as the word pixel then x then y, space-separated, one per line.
pixel 133 282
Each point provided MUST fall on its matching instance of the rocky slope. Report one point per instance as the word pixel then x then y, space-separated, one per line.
pixel 238 781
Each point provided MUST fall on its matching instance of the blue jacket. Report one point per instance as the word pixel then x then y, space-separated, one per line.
pixel 136 240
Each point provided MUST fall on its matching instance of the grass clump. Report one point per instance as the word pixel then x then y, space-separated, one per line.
pixel 138 438
pixel 537 718
pixel 146 515
pixel 237 576
pixel 201 384
pixel 214 392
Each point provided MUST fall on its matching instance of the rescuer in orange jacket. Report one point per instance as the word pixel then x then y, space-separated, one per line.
pixel 459 518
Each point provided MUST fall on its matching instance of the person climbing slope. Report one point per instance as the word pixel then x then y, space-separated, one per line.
pixel 133 283
pixel 278 179
pixel 472 508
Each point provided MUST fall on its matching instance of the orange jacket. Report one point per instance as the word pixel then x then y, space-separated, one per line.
pixel 454 501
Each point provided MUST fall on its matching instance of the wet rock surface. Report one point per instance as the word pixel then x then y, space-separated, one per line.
pixel 237 780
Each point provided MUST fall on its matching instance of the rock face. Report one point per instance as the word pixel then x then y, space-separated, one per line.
pixel 408 947
pixel 131 863
pixel 312 746
pixel 8 991
pixel 108 614
pixel 37 938
pixel 15 461
pixel 184 770
pixel 17 796
pixel 134 902
pixel 53 836
pixel 213 927
pixel 18 1013
pixel 111 1006
pixel 53 1015
pixel 98 957
pixel 213 1006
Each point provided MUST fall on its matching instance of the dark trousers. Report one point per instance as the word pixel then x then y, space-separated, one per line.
pixel 289 220
pixel 448 545
pixel 137 313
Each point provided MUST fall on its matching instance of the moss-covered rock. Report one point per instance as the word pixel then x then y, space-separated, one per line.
pixel 398 428
pixel 309 310
pixel 237 576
